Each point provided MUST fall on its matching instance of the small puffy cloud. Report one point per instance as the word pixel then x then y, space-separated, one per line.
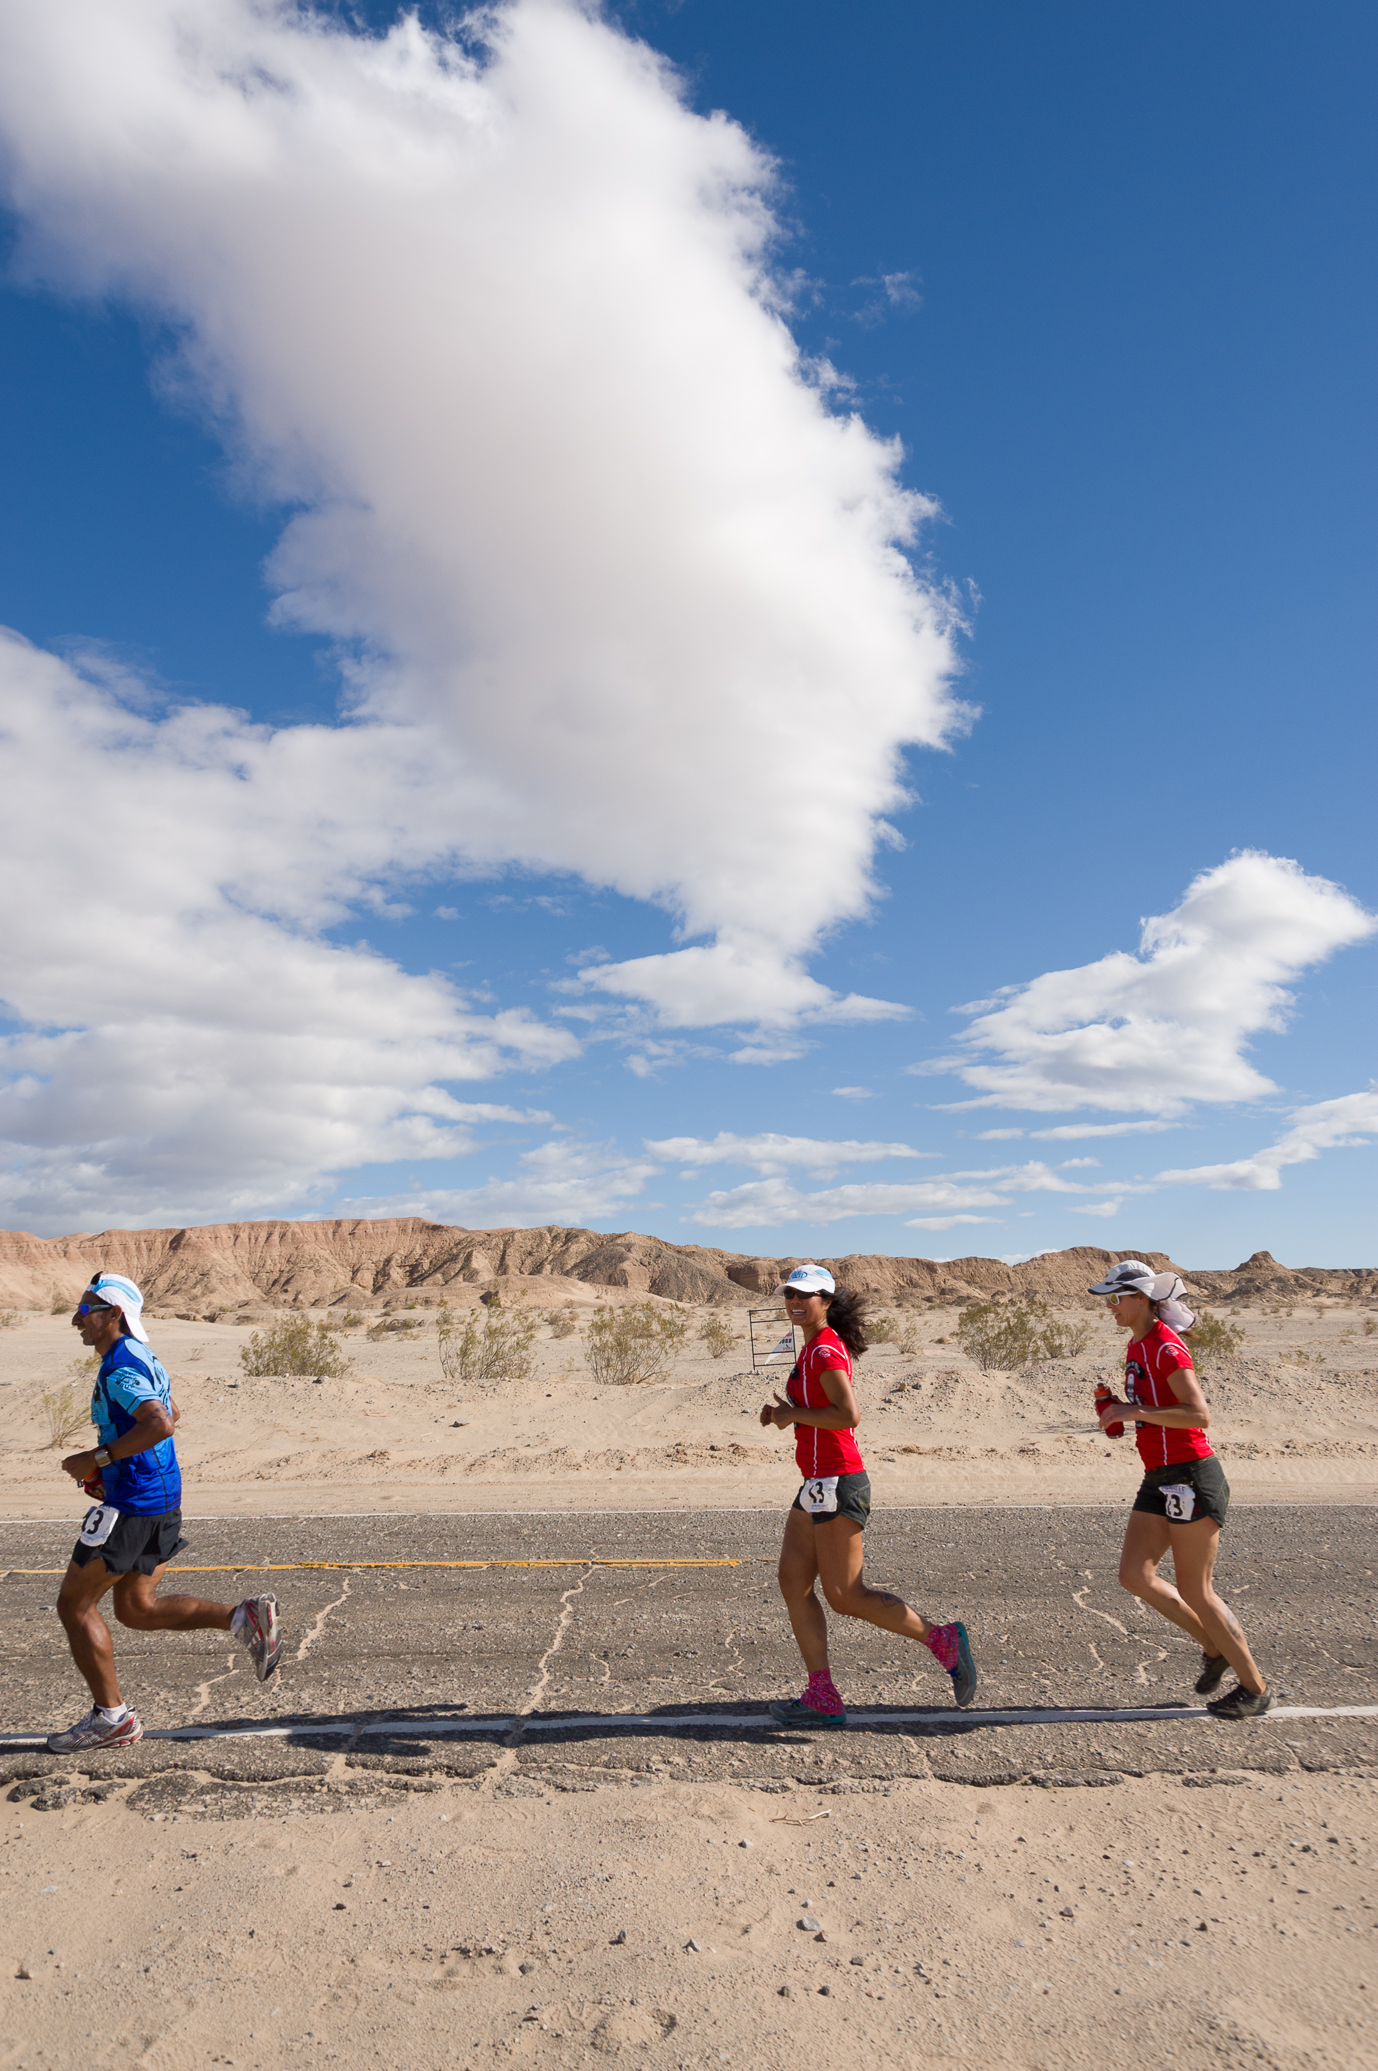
pixel 1100 1208
pixel 1327 1125
pixel 1170 1025
pixel 853 1093
pixel 771 1154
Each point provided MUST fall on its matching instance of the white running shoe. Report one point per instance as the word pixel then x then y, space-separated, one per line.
pixel 94 1731
pixel 260 1634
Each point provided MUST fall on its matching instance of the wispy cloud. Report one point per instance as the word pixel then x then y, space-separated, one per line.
pixel 1327 1125
pixel 770 1154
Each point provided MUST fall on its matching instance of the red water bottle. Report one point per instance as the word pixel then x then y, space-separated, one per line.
pixel 1104 1395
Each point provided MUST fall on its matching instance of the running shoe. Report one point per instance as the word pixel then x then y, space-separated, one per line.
pixel 964 1674
pixel 790 1712
pixel 94 1731
pixel 1212 1674
pixel 260 1634
pixel 1240 1703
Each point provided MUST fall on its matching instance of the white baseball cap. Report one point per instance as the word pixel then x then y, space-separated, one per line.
pixel 808 1280
pixel 123 1294
pixel 1130 1273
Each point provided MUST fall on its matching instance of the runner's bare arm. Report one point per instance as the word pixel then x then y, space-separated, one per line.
pixel 152 1424
pixel 1191 1414
pixel 841 1415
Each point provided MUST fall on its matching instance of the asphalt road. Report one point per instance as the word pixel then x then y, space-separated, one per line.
pixel 375 1647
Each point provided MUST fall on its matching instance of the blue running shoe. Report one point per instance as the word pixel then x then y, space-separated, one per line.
pixel 964 1674
pixel 790 1712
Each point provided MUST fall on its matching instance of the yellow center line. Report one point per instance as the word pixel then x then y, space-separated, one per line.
pixel 572 1560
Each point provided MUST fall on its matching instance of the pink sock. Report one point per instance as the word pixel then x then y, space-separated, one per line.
pixel 942 1644
pixel 822 1693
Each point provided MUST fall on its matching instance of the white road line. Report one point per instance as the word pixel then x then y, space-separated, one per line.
pixel 433 1729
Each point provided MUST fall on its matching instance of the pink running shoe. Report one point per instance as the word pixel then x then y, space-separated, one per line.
pixel 93 1731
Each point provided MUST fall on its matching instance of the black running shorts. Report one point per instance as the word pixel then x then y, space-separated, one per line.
pixel 128 1545
pixel 841 1495
pixel 1193 1489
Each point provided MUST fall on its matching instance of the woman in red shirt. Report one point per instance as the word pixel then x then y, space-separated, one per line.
pixel 823 1531
pixel 1184 1496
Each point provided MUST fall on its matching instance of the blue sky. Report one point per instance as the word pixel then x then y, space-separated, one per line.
pixel 597 647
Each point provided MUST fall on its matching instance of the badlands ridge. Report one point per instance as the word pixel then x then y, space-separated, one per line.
pixel 222 1268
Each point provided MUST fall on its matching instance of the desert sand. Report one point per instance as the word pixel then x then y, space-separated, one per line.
pixel 1294 1417
pixel 500 1919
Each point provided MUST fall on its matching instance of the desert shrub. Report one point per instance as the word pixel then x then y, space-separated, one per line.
pixel 634 1344
pixel 1017 1335
pixel 9 1319
pixel 563 1322
pixel 68 1416
pixel 297 1346
pixel 389 1327
pixel 58 1304
pixel 492 1345
pixel 1369 1326
pixel 351 1319
pixel 882 1330
pixel 719 1336
pixel 1211 1337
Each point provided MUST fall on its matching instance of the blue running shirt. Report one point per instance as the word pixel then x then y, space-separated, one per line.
pixel 151 1482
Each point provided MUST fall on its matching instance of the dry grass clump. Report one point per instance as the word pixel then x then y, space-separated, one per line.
pixel 492 1346
pixel 1212 1337
pixel 638 1343
pixel 718 1335
pixel 1016 1336
pixel 67 1416
pixel 294 1347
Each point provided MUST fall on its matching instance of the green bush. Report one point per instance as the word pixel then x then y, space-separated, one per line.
pixel 58 1304
pixel 9 1319
pixel 563 1322
pixel 634 1344
pixel 881 1330
pixel 718 1335
pixel 1211 1337
pixel 1015 1336
pixel 492 1345
pixel 296 1347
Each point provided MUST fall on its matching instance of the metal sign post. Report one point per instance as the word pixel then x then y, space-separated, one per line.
pixel 768 1347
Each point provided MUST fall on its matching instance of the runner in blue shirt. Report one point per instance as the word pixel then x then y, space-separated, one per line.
pixel 134 1527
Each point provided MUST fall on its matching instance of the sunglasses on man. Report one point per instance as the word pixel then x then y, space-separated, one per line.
pixel 93 1308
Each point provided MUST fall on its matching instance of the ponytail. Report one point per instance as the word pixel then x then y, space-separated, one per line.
pixel 847 1316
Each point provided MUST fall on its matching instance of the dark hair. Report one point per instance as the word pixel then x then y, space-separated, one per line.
pixel 847 1316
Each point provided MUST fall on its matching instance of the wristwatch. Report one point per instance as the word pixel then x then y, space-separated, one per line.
pixel 102 1456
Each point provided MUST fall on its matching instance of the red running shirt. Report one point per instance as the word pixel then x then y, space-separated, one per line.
pixel 815 1451
pixel 1147 1365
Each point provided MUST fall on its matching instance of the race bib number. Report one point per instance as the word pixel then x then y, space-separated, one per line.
pixel 819 1497
pixel 98 1523
pixel 1180 1498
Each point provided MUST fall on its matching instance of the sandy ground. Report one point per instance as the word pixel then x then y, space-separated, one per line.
pixel 1295 1417
pixel 661 1925
pixel 1205 1900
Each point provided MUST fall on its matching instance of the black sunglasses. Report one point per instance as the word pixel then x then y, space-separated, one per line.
pixel 93 1308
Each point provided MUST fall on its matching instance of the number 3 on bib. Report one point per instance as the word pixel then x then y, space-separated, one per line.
pixel 98 1524
pixel 1180 1499
pixel 819 1497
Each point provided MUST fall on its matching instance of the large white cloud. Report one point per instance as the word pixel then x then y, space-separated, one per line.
pixel 1169 1026
pixel 501 323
